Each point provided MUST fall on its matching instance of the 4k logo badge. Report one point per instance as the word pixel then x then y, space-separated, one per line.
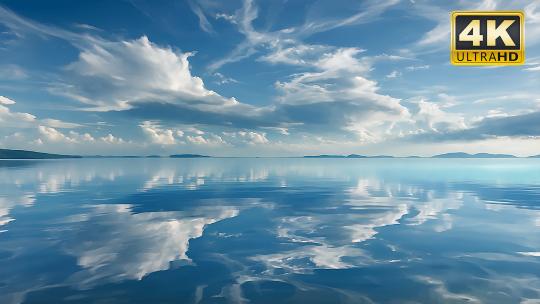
pixel 487 38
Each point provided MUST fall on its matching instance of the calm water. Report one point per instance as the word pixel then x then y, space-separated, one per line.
pixel 270 231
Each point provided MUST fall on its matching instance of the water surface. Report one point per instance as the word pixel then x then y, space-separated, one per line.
pixel 270 231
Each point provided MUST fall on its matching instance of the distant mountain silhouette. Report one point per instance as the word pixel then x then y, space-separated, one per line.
pixel 188 156
pixel 467 155
pixel 112 156
pixel 356 156
pixel 346 156
pixel 446 155
pixel 23 154
pixel 325 156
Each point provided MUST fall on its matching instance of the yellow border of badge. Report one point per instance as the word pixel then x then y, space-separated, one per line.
pixel 521 15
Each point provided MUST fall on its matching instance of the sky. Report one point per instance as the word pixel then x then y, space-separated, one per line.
pixel 258 78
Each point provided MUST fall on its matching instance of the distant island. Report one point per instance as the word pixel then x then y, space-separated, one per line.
pixel 347 156
pixel 112 156
pixel 446 155
pixel 478 155
pixel 22 154
pixel 188 156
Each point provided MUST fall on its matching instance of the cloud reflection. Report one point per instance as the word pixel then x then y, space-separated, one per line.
pixel 367 223
pixel 113 244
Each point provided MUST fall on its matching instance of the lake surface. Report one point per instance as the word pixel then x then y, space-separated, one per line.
pixel 270 231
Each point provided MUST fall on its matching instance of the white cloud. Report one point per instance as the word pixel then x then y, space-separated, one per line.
pixel 158 135
pixel 194 130
pixel 280 130
pixel 370 10
pixel 111 75
pixel 51 134
pixel 338 87
pixel 116 75
pixel 222 79
pixel 530 253
pixel 297 54
pixel 82 137
pixel 9 119
pixel 196 139
pixel 14 119
pixel 331 91
pixel 418 67
pixel 340 78
pixel 111 139
pixel 435 36
pixel 55 123
pixel 532 22
pixel 393 74
pixel 203 21
pixel 6 101
pixel 342 59
pixel 254 138
pixel 430 116
pixel 283 44
pixel 210 139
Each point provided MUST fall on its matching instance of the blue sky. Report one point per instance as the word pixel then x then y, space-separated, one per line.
pixel 258 78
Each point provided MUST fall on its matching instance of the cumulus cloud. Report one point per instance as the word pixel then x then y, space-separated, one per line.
pixel 196 139
pixel 432 117
pixel 336 93
pixel 338 77
pixel 111 139
pixel 10 119
pixel 179 135
pixel 210 139
pixel 158 135
pixel 50 134
pixel 111 75
pixel 254 138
